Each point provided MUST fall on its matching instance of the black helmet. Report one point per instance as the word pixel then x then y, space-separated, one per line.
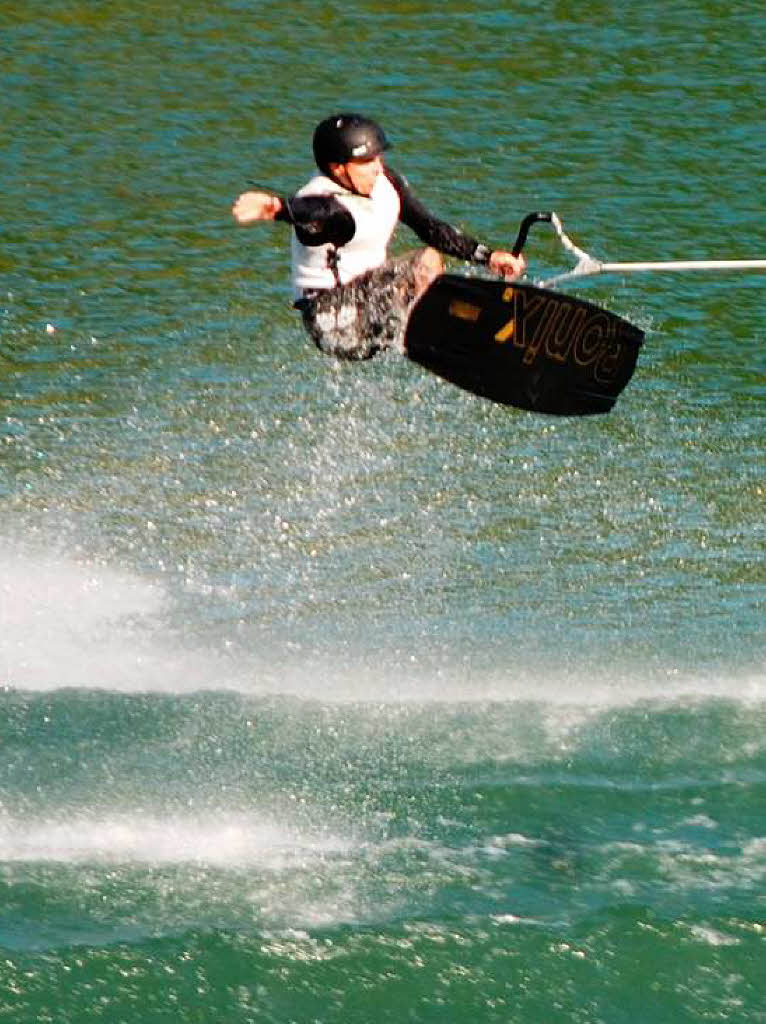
pixel 345 137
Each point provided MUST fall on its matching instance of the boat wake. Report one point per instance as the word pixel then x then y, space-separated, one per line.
pixel 65 624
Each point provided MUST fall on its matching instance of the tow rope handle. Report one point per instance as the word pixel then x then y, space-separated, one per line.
pixel 587 265
pixel 526 224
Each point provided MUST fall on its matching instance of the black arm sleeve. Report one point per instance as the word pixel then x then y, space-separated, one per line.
pixel 318 220
pixel 436 233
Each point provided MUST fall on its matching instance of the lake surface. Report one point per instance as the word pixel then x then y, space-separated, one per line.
pixel 330 692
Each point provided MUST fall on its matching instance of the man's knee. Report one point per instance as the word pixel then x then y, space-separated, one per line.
pixel 429 266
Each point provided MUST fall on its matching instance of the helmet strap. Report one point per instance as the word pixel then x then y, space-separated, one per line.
pixel 348 184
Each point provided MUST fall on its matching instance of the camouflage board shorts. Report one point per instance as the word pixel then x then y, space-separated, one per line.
pixel 367 314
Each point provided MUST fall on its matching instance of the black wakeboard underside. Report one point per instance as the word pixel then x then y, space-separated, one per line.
pixel 523 346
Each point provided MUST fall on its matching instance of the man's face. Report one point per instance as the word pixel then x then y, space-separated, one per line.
pixel 360 175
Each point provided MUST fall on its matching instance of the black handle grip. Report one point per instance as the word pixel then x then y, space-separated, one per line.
pixel 526 224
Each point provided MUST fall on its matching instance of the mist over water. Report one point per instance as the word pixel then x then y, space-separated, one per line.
pixel 69 624
pixel 331 692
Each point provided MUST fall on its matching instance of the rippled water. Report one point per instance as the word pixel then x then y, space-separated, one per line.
pixel 331 692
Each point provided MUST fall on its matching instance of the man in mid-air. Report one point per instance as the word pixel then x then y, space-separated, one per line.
pixel 353 299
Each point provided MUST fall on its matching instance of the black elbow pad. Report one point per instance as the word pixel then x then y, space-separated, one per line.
pixel 328 221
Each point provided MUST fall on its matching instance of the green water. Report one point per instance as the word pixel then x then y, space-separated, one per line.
pixel 330 692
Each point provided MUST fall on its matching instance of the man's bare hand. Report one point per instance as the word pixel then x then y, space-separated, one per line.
pixel 254 206
pixel 506 264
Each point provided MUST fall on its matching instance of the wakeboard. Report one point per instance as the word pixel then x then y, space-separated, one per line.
pixel 521 345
